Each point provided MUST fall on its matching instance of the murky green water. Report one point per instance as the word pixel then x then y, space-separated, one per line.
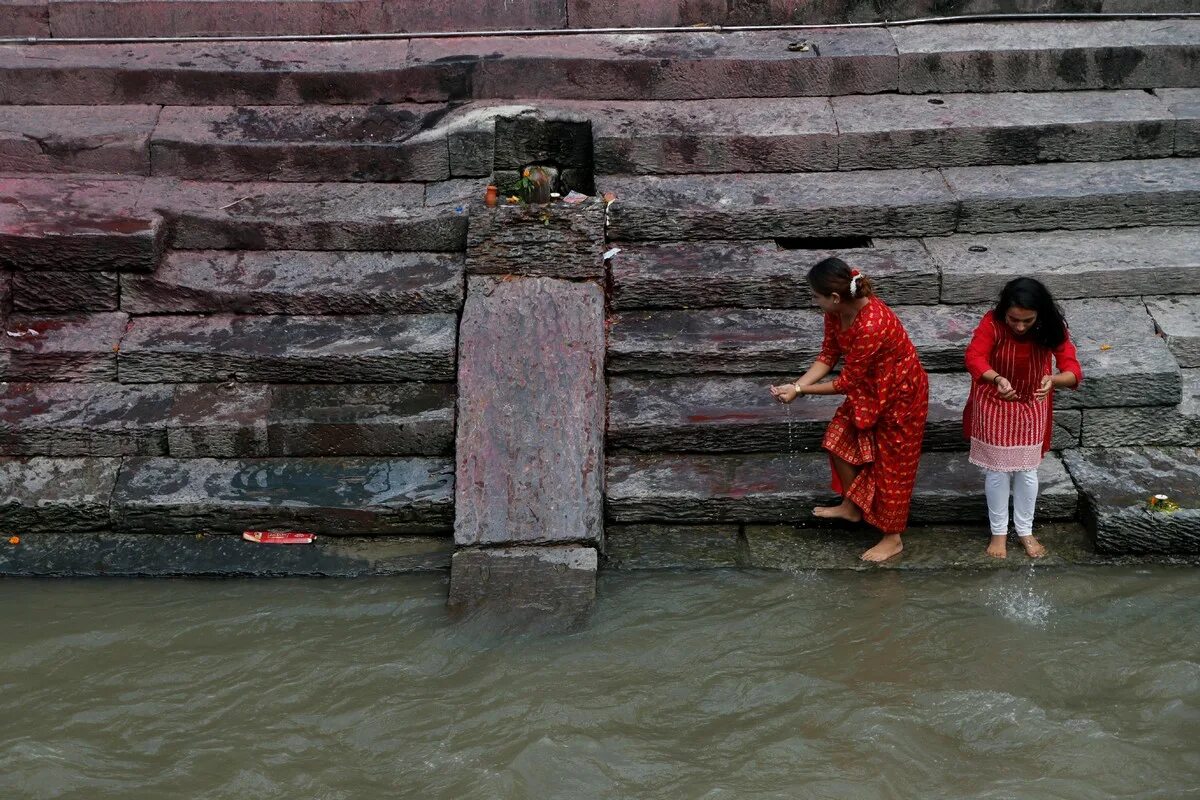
pixel 1052 684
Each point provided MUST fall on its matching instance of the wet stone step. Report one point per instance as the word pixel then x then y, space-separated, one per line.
pixel 376 143
pixel 310 216
pixel 1050 56
pixel 75 348
pixel 1087 263
pixel 61 292
pixel 297 282
pixel 56 495
pixel 1185 107
pixel 289 349
pixel 759 275
pixel 778 487
pixel 162 555
pixel 1115 486
pixel 76 139
pixel 737 414
pixel 733 207
pixel 1178 318
pixel 1116 194
pixel 329 496
pixel 1149 426
pixel 77 225
pixel 1124 362
pixel 227 420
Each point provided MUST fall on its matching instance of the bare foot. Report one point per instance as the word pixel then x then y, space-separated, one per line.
pixel 846 511
pixel 998 547
pixel 1033 548
pixel 889 546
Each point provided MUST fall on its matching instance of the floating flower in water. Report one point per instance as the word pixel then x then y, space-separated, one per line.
pixel 14 540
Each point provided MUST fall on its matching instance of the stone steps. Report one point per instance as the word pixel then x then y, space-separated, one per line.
pixel 117 18
pixel 296 282
pixel 1178 320
pixel 915 202
pixel 188 420
pixel 731 414
pixel 97 224
pixel 1124 362
pixel 981 57
pixel 957 269
pixel 331 496
pixel 407 142
pixel 782 487
pixel 1150 426
pixel 222 347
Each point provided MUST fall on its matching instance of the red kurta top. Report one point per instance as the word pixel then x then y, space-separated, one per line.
pixel 881 424
pixel 1008 435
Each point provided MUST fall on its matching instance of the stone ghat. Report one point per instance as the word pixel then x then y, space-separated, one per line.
pixel 115 18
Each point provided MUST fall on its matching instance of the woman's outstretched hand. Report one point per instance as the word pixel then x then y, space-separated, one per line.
pixel 784 393
pixel 1005 389
pixel 1044 389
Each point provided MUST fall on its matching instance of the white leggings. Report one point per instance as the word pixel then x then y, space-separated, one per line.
pixel 1023 486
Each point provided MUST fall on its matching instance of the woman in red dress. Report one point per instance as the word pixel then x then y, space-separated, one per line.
pixel 1009 416
pixel 874 438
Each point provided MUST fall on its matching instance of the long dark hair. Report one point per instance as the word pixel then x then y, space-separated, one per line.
pixel 832 275
pixel 1050 330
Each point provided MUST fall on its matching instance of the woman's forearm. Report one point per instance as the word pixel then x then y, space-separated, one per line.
pixel 1065 380
pixel 820 388
pixel 818 370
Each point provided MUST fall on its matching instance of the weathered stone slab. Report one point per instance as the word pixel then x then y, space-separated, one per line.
pixel 1179 320
pixel 151 555
pixel 1049 56
pixel 227 420
pixel 1162 191
pixel 188 18
pixel 55 495
pixel 375 143
pixel 341 420
pixel 1148 426
pixel 769 341
pixel 73 224
pixel 758 275
pixel 1072 264
pixel 1124 363
pixel 940 547
pixel 25 18
pixel 891 131
pixel 64 139
pixel 75 348
pixel 531 409
pixel 773 487
pixel 333 497
pixel 366 349
pixel 672 547
pixel 551 586
pixel 557 240
pixel 1185 106
pixel 214 73
pixel 1115 486
pixel 77 419
pixel 875 203
pixel 474 15
pixel 297 282
pixel 677 66
pixel 65 292
pixel 309 216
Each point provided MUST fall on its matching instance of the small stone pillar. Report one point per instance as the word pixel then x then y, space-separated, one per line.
pixel 529 505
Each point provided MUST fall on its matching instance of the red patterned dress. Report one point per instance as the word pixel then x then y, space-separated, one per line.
pixel 1011 435
pixel 881 424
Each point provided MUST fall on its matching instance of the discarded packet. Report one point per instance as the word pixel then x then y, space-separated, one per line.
pixel 278 537
pixel 573 197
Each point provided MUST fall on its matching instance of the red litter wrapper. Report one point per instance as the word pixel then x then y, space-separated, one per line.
pixel 278 537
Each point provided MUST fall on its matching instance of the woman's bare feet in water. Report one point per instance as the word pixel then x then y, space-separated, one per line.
pixel 846 511
pixel 1033 548
pixel 998 547
pixel 889 546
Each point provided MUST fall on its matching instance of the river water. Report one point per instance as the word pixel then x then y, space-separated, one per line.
pixel 1017 684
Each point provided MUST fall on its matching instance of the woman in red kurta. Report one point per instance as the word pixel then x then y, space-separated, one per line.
pixel 1009 416
pixel 874 438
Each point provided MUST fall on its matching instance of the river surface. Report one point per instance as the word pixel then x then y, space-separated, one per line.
pixel 1024 684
